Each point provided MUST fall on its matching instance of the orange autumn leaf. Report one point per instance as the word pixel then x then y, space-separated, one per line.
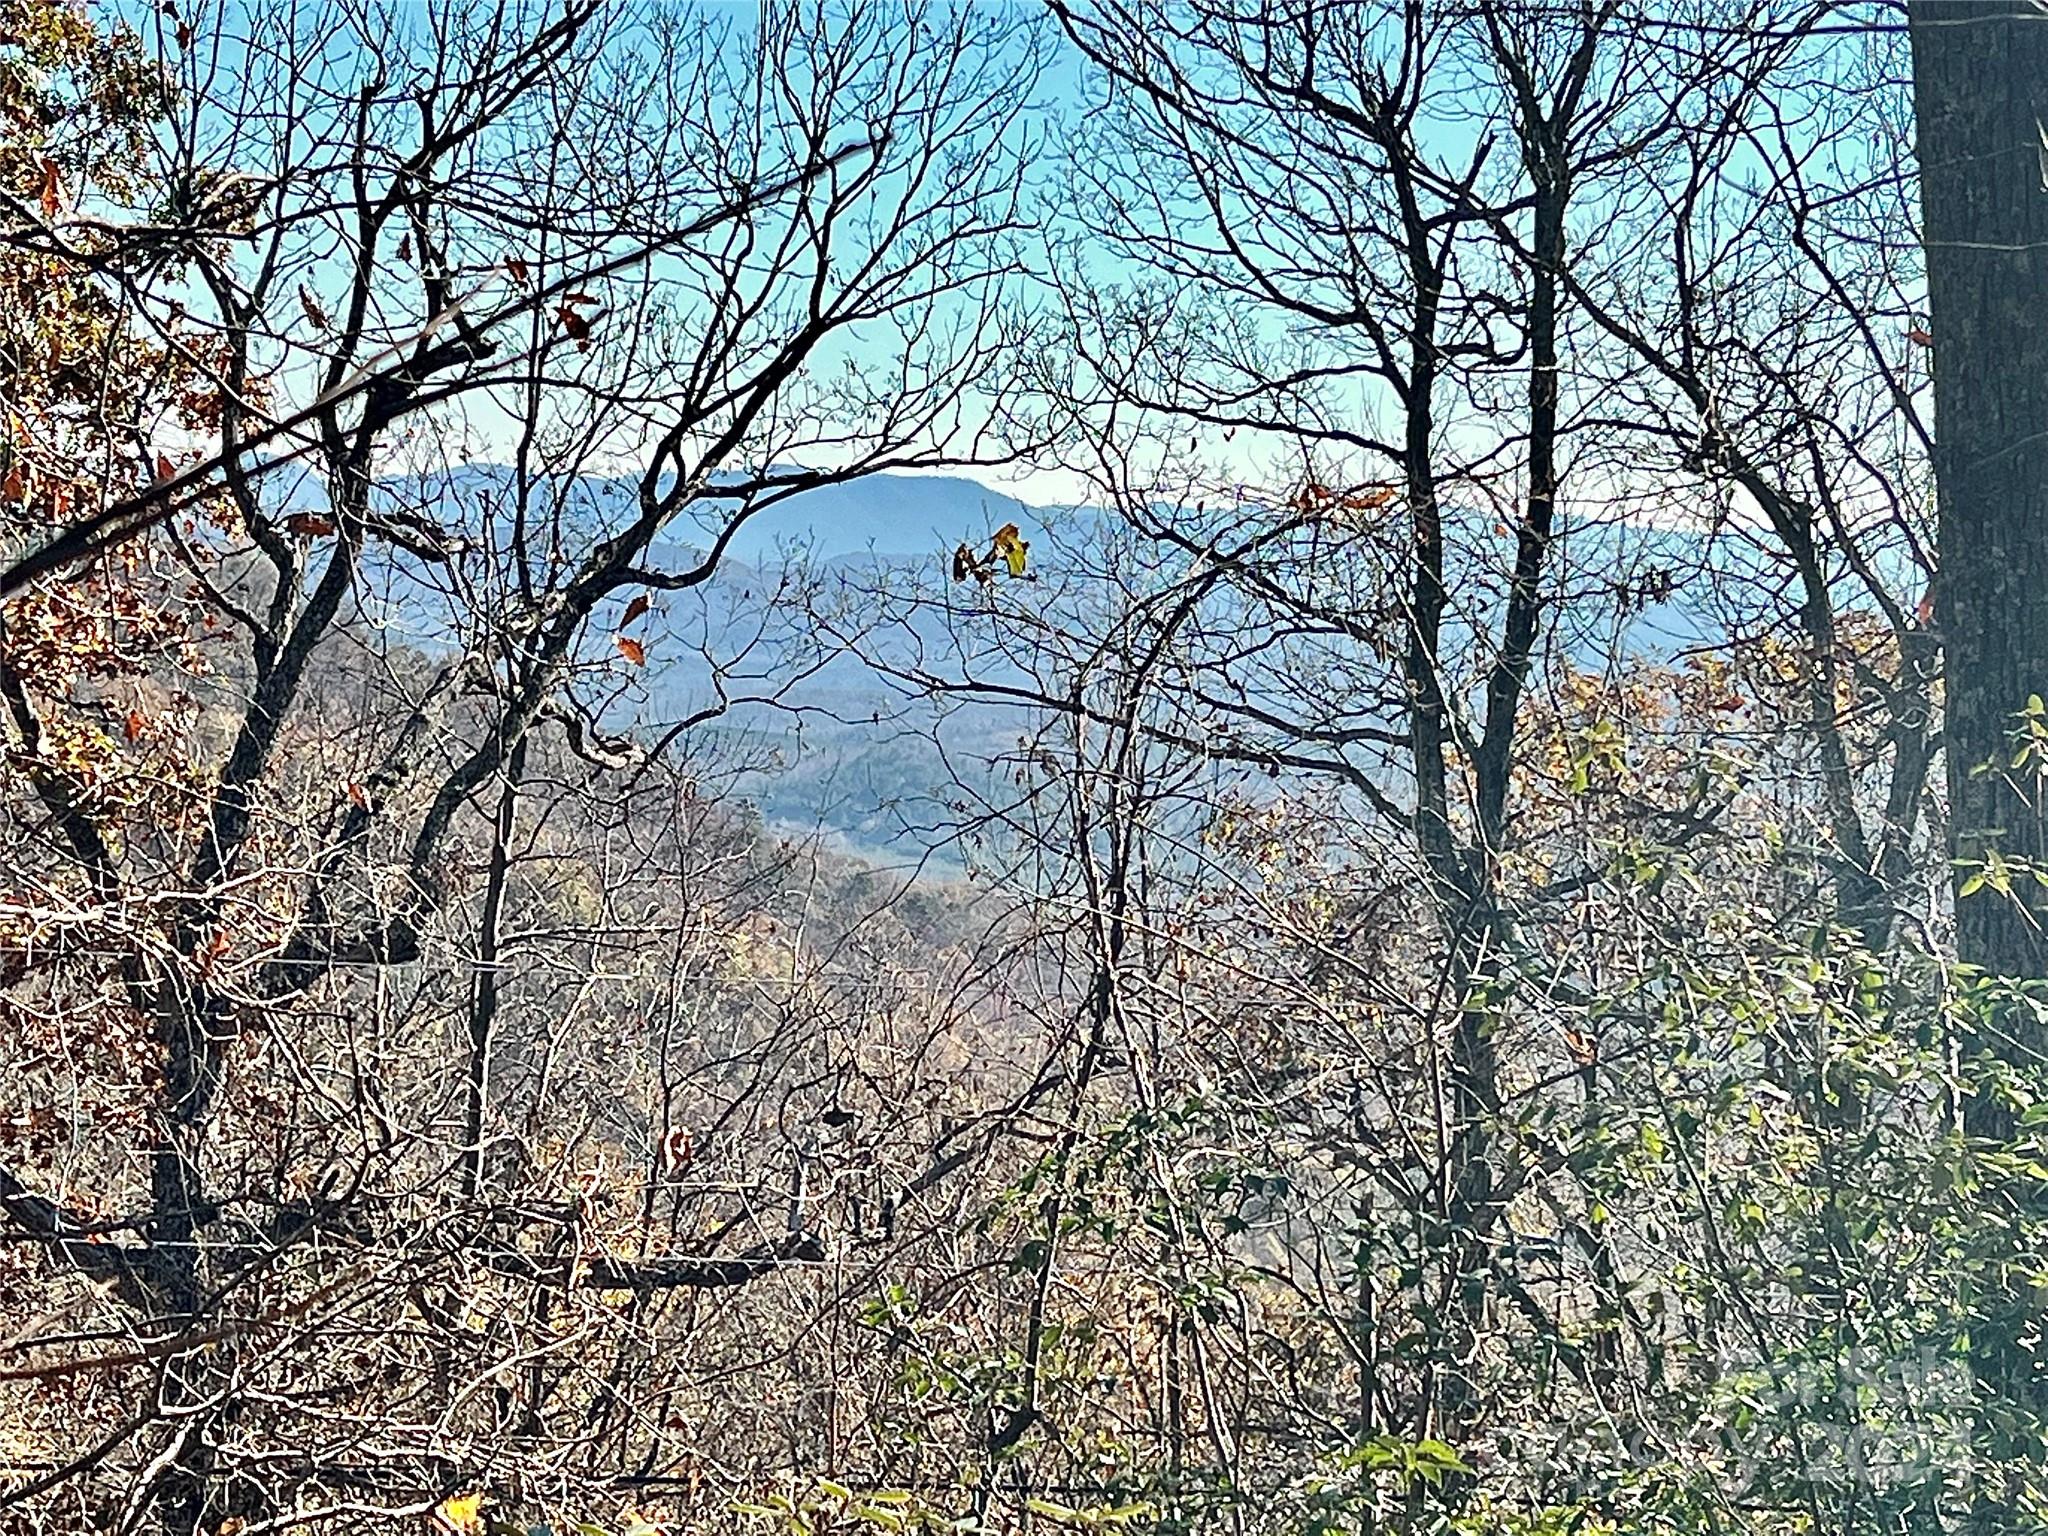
pixel 207 954
pixel 518 269
pixel 632 650
pixel 311 524
pixel 50 200
pixel 134 725
pixel 1314 496
pixel 635 608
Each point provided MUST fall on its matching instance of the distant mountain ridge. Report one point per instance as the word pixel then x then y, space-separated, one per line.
pixel 884 513
pixel 845 760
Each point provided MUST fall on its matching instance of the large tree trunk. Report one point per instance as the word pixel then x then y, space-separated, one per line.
pixel 1980 71
pixel 1981 96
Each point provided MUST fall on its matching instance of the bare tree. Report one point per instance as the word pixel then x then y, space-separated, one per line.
pixel 1445 354
pixel 370 245
pixel 1392 269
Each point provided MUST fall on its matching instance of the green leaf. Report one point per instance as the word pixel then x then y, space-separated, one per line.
pixel 1123 1514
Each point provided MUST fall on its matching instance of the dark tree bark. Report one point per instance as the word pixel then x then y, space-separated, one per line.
pixel 1981 98
pixel 1980 71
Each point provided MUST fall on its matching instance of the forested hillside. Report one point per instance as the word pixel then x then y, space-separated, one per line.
pixel 1206 767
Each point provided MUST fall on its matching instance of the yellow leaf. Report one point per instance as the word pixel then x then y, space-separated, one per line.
pixel 1010 547
pixel 461 1514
